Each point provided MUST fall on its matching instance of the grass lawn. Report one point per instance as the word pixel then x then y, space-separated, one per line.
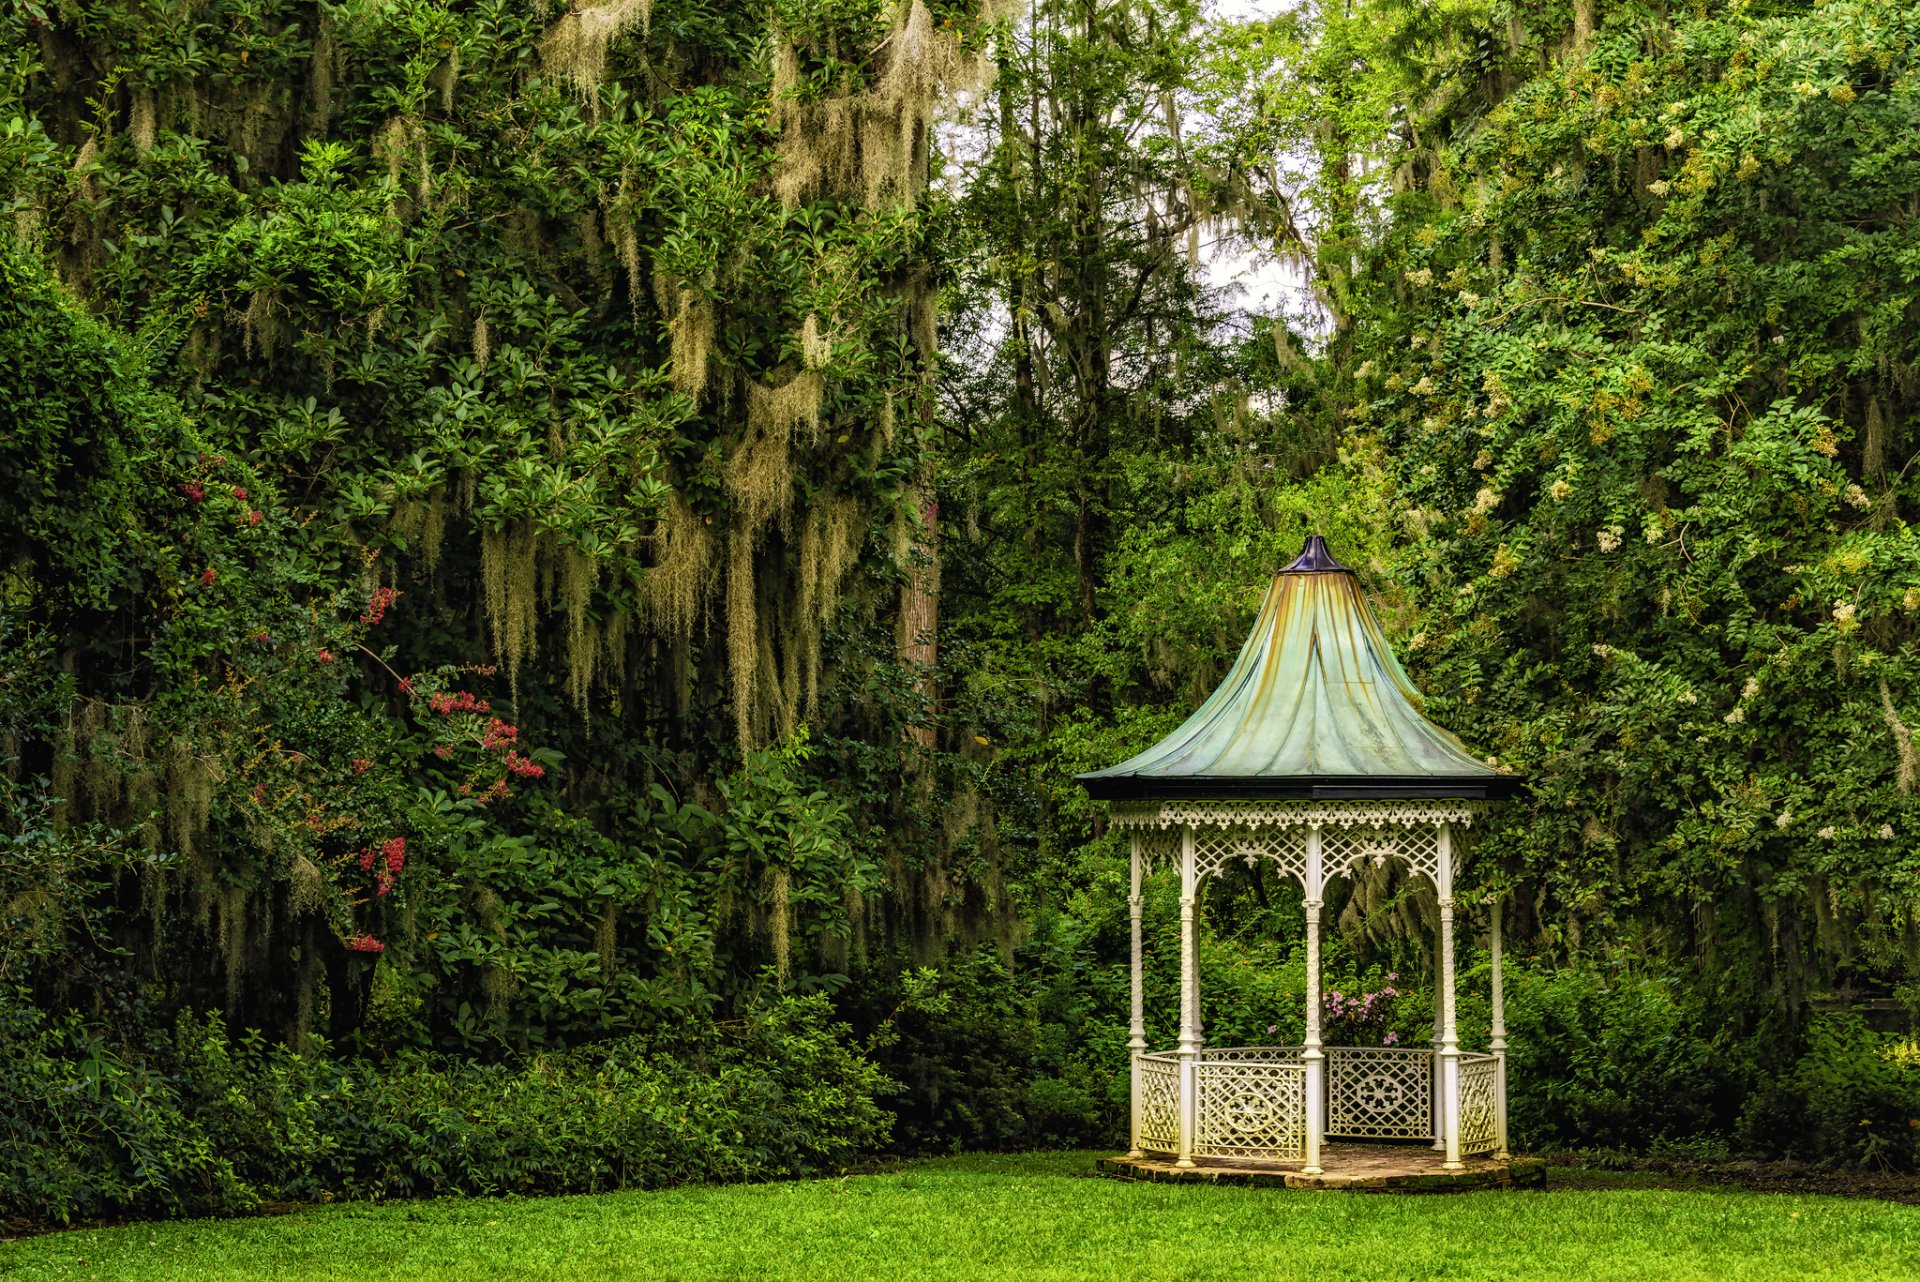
pixel 1023 1217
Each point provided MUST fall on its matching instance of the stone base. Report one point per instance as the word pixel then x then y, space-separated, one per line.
pixel 1376 1168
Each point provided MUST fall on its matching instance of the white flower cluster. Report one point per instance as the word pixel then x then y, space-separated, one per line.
pixel 1609 538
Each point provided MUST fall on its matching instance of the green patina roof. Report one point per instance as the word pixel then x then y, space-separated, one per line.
pixel 1316 706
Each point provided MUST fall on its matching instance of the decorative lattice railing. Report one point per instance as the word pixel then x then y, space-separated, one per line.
pixel 1479 1103
pixel 1251 1107
pixel 1252 1100
pixel 1380 1093
pixel 1159 1108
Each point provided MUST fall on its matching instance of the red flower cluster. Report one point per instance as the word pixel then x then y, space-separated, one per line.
pixel 263 638
pixel 498 736
pixel 495 792
pixel 393 857
pixel 325 656
pixel 377 604
pixel 240 494
pixel 525 767
pixel 360 765
pixel 206 577
pixel 366 944
pixel 253 517
pixel 459 701
pixel 194 491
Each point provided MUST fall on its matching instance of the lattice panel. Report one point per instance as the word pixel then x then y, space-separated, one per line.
pixel 1158 1107
pixel 1159 847
pixel 1215 848
pixel 1479 1103
pixel 1252 1110
pixel 1328 814
pixel 1288 1055
pixel 1379 1093
pixel 1344 849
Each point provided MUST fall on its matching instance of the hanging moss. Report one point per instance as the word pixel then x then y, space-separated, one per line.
pixel 743 650
pixel 684 572
pixel 143 119
pixel 509 577
pixel 690 319
pixel 779 921
pixel 575 48
pixel 578 576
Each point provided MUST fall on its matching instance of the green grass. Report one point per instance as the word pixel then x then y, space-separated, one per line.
pixel 1022 1217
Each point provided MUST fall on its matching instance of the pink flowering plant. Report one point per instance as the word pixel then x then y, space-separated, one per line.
pixel 1362 1012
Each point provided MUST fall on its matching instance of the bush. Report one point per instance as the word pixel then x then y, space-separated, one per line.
pixel 1852 1098
pixel 1612 1061
pixel 204 1122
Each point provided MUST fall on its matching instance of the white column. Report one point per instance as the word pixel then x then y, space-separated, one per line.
pixel 1437 1087
pixel 1449 1033
pixel 1314 1058
pixel 1137 1026
pixel 1499 1041
pixel 1190 1045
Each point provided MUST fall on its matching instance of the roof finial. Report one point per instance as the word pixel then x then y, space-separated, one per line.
pixel 1315 559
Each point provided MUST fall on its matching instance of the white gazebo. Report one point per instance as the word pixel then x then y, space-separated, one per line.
pixel 1313 754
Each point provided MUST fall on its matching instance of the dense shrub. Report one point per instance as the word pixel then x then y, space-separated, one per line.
pixel 1612 1061
pixel 202 1121
pixel 1852 1098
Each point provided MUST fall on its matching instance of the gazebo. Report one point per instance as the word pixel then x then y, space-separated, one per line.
pixel 1314 754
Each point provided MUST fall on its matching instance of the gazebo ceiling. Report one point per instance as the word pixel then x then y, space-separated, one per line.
pixel 1316 707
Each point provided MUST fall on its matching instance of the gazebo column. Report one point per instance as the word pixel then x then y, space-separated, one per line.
pixel 1449 1032
pixel 1137 1024
pixel 1437 1086
pixel 1498 1044
pixel 1311 1054
pixel 1190 1043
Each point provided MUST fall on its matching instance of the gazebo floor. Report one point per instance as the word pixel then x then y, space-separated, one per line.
pixel 1362 1167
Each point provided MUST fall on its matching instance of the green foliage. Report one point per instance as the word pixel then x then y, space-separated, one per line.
pixel 204 1122
pixel 1649 410
pixel 1853 1098
pixel 1611 1060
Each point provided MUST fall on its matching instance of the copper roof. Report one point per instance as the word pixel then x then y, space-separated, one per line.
pixel 1316 706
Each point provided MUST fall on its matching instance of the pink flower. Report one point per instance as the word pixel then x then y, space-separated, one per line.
pixel 1273 1028
pixel 366 944
pixel 1390 1039
pixel 377 604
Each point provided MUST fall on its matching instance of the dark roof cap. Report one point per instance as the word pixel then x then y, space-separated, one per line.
pixel 1315 559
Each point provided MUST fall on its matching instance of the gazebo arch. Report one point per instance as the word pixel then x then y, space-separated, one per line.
pixel 1313 754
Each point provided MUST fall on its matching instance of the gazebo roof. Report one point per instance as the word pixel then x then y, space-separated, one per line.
pixel 1316 706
